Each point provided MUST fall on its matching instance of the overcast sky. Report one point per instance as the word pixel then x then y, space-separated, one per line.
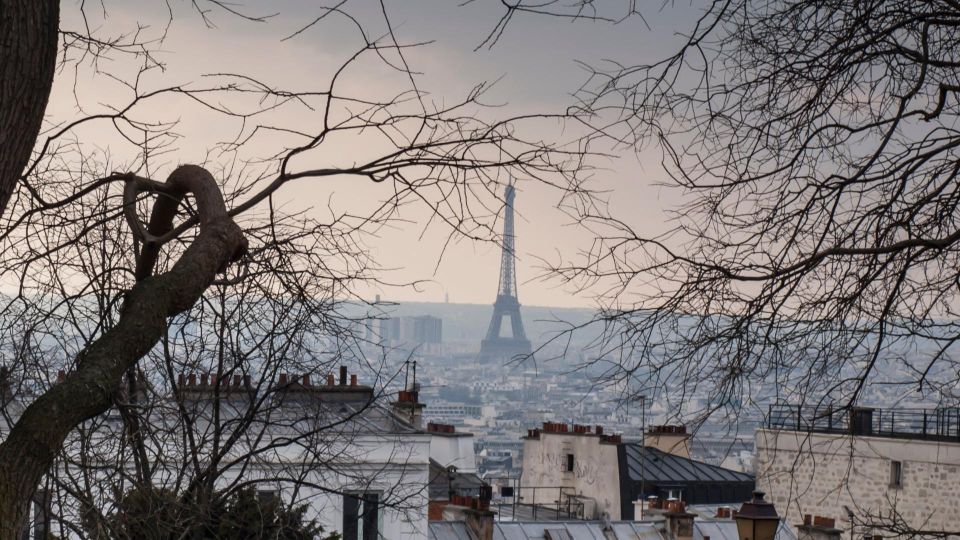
pixel 535 61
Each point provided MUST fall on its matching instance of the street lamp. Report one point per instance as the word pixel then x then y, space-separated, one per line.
pixel 757 519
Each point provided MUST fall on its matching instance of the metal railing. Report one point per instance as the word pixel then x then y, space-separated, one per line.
pixel 526 502
pixel 936 424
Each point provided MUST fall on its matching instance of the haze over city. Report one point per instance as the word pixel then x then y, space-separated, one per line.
pixel 479 270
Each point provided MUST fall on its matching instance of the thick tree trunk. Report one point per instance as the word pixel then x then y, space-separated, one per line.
pixel 38 435
pixel 28 52
pixel 28 55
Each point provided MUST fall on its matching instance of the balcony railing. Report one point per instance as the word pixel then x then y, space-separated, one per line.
pixel 935 424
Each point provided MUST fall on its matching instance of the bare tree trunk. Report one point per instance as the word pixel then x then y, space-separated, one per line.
pixel 35 440
pixel 28 55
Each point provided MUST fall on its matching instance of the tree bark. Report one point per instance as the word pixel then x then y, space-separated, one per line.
pixel 28 56
pixel 38 435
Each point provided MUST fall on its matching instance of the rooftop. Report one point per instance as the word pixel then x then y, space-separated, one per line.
pixel 941 424
pixel 655 466
pixel 592 530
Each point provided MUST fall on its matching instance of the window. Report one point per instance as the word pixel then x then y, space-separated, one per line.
pixel 360 516
pixel 896 474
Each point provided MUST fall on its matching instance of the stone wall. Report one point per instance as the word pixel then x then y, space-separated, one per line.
pixel 821 474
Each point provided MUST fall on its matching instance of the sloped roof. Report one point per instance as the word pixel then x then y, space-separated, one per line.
pixel 441 480
pixel 655 466
pixel 550 530
pixel 591 530
pixel 727 530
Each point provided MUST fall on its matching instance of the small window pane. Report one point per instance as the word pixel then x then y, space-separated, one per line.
pixel 896 474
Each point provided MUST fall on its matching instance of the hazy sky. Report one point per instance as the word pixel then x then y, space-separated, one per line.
pixel 536 64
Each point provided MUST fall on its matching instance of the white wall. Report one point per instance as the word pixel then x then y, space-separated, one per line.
pixel 394 465
pixel 454 449
pixel 596 473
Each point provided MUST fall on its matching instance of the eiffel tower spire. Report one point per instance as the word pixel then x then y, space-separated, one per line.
pixel 495 345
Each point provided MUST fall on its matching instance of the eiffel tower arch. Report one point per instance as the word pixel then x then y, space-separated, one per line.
pixel 496 345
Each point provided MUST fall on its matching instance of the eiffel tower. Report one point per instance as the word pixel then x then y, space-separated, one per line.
pixel 495 346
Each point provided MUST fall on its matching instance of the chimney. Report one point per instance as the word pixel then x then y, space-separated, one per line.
pixel 669 440
pixel 331 380
pixel 61 376
pixel 818 528
pixel 353 379
pixel 306 379
pixel 283 379
pixel 192 380
pixel 343 375
pixel 408 407
pixel 475 512
pixel 679 521
pixel 181 379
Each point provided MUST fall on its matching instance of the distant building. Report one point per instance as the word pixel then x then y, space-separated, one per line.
pixel 448 411
pixel 897 468
pixel 423 332
pixel 598 475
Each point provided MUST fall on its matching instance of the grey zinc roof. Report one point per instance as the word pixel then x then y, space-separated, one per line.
pixel 551 530
pixel 440 480
pixel 727 530
pixel 448 530
pixel 660 467
pixel 592 530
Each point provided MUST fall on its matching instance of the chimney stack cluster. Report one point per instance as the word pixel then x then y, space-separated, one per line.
pixel 205 380
pixel 667 430
pixel 818 528
pixel 725 512
pixel 575 429
pixel 189 381
pixel 408 396
pixel 305 380
pixel 819 521
pixel 675 506
pixel 433 427
pixel 555 427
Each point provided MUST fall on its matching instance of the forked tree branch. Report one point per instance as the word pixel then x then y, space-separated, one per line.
pixel 37 437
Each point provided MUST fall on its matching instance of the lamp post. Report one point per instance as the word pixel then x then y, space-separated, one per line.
pixel 757 519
